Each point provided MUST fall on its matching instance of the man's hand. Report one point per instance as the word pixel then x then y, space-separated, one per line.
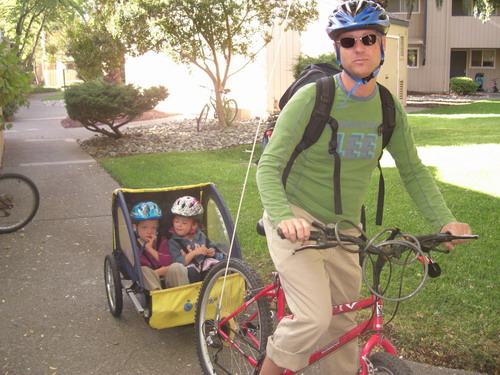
pixel 295 229
pixel 456 229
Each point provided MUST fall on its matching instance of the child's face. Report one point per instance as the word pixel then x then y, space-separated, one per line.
pixel 184 225
pixel 147 229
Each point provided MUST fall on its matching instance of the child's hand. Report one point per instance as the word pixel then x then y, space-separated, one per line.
pixel 149 243
pixel 211 252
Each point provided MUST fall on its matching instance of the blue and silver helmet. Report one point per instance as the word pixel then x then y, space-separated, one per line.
pixel 145 211
pixel 356 15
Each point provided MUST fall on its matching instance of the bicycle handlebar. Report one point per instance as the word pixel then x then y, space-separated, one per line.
pixel 329 236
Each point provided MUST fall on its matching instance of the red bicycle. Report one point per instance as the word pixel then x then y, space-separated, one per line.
pixel 235 318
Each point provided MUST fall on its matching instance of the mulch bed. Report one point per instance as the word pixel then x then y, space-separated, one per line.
pixel 150 115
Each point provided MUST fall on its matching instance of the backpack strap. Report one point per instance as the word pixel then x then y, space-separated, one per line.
pixel 385 129
pixel 320 116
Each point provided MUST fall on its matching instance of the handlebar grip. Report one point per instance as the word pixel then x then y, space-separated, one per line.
pixel 313 236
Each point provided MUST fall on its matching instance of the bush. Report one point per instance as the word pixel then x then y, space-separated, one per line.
pixel 14 83
pixel 463 86
pixel 304 60
pixel 97 102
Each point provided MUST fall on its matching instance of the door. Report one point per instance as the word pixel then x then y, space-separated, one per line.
pixel 458 64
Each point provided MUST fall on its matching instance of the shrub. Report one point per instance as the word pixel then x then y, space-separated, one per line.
pixel 97 102
pixel 463 86
pixel 14 83
pixel 304 60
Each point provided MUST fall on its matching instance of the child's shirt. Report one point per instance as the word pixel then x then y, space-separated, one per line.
pixel 165 259
pixel 199 239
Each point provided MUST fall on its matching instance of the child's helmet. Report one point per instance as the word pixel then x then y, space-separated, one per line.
pixel 145 211
pixel 188 206
pixel 355 15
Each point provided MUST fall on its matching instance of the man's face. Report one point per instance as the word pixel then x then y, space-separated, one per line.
pixel 360 60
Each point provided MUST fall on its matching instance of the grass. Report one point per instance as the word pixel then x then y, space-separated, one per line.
pixel 434 127
pixel 58 96
pixel 454 321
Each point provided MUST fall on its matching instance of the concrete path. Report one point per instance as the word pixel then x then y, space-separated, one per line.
pixel 53 308
pixel 54 312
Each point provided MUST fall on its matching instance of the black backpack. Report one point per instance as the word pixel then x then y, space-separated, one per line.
pixel 325 92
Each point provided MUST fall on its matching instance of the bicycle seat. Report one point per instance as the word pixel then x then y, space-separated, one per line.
pixel 260 228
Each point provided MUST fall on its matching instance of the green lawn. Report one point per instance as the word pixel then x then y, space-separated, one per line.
pixel 454 321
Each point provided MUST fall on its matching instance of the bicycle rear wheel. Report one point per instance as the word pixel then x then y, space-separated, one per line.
pixel 389 364
pixel 220 346
pixel 19 201
pixel 202 118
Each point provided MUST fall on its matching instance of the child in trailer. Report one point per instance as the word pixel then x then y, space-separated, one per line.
pixel 154 256
pixel 188 244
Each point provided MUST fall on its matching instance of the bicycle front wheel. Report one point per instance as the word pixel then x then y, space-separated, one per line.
pixel 19 201
pixel 231 108
pixel 225 336
pixel 202 118
pixel 389 364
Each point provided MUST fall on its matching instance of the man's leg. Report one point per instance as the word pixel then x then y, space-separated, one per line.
pixel 306 285
pixel 345 281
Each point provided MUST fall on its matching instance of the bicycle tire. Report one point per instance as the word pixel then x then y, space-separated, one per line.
pixel 216 354
pixel 231 108
pixel 202 118
pixel 19 201
pixel 113 284
pixel 388 364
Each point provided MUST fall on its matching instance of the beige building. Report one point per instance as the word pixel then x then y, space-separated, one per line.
pixel 449 42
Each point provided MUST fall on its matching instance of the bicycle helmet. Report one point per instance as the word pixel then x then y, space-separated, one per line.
pixel 356 15
pixel 188 206
pixel 145 211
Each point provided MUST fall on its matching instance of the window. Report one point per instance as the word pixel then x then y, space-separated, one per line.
pixel 412 58
pixel 399 6
pixel 461 8
pixel 482 58
pixel 466 8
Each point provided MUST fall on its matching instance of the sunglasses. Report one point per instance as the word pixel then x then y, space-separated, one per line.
pixel 368 40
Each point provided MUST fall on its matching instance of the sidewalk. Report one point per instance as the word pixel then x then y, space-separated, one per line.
pixel 55 318
pixel 54 312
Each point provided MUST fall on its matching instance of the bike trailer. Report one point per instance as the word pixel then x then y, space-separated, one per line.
pixel 122 271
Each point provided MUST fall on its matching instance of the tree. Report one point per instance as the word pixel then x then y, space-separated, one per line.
pixel 14 83
pixel 24 21
pixel 96 51
pixel 209 33
pixel 98 103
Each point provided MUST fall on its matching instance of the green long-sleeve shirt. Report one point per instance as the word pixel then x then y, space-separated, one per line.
pixel 310 182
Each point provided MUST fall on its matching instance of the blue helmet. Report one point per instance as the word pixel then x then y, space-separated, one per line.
pixel 356 15
pixel 145 211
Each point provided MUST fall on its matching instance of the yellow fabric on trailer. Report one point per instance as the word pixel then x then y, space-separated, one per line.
pixel 176 306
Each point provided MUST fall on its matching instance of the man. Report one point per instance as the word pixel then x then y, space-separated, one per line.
pixel 313 281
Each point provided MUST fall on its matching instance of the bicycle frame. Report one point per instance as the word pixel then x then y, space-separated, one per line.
pixel 374 323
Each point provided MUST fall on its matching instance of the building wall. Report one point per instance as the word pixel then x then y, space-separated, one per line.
pixel 444 34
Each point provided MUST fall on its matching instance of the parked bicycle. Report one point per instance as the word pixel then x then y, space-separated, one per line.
pixel 232 327
pixel 494 84
pixel 230 109
pixel 19 201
